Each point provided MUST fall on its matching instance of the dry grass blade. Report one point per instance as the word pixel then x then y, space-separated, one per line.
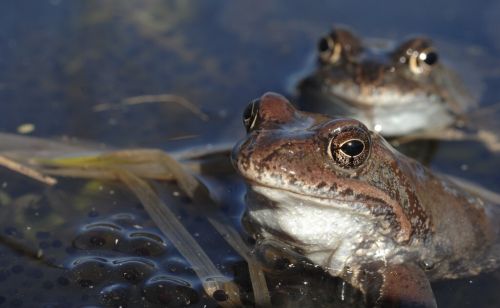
pixel 131 167
pixel 145 163
pixel 168 223
pixel 259 284
pixel 489 139
pixel 27 171
pixel 172 170
pixel 159 98
pixel 475 189
pixel 448 134
pixel 487 110
pixel 193 189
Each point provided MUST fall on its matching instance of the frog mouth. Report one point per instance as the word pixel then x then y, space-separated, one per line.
pixel 383 97
pixel 347 102
pixel 271 196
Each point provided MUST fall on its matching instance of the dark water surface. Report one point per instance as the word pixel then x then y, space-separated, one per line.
pixel 61 60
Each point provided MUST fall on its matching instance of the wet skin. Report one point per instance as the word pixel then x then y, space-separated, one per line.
pixel 349 202
pixel 394 90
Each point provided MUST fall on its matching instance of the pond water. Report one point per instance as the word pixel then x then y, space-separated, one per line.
pixel 68 67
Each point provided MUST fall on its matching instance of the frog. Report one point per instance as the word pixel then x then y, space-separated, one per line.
pixel 402 90
pixel 341 196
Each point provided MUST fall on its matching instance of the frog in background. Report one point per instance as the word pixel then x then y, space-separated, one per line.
pixel 402 91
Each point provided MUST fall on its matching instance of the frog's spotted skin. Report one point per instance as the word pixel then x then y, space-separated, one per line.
pixel 349 202
pixel 394 90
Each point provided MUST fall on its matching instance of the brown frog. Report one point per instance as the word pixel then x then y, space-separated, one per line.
pixel 394 89
pixel 350 203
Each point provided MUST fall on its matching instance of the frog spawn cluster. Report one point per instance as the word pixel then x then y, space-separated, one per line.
pixel 127 265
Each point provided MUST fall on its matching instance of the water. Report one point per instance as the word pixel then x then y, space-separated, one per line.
pixel 60 60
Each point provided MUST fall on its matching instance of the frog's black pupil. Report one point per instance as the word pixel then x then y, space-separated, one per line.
pixel 323 45
pixel 431 58
pixel 353 147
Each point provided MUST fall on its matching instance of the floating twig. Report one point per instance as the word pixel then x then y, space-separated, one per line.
pixel 27 171
pixel 158 98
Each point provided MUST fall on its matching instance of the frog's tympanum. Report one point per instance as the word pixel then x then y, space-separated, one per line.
pixel 394 90
pixel 349 202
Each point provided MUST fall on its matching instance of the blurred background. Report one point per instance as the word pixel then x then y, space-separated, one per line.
pixel 60 60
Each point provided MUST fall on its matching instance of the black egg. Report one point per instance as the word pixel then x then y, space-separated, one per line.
pixel 99 237
pixel 115 295
pixel 89 272
pixel 170 291
pixel 133 271
pixel 146 244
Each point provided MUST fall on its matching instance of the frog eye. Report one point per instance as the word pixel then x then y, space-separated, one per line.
pixel 250 114
pixel 350 147
pixel 422 61
pixel 340 44
pixel 329 50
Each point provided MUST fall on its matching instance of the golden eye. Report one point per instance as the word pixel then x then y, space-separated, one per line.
pixel 422 61
pixel 329 50
pixel 250 114
pixel 350 147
